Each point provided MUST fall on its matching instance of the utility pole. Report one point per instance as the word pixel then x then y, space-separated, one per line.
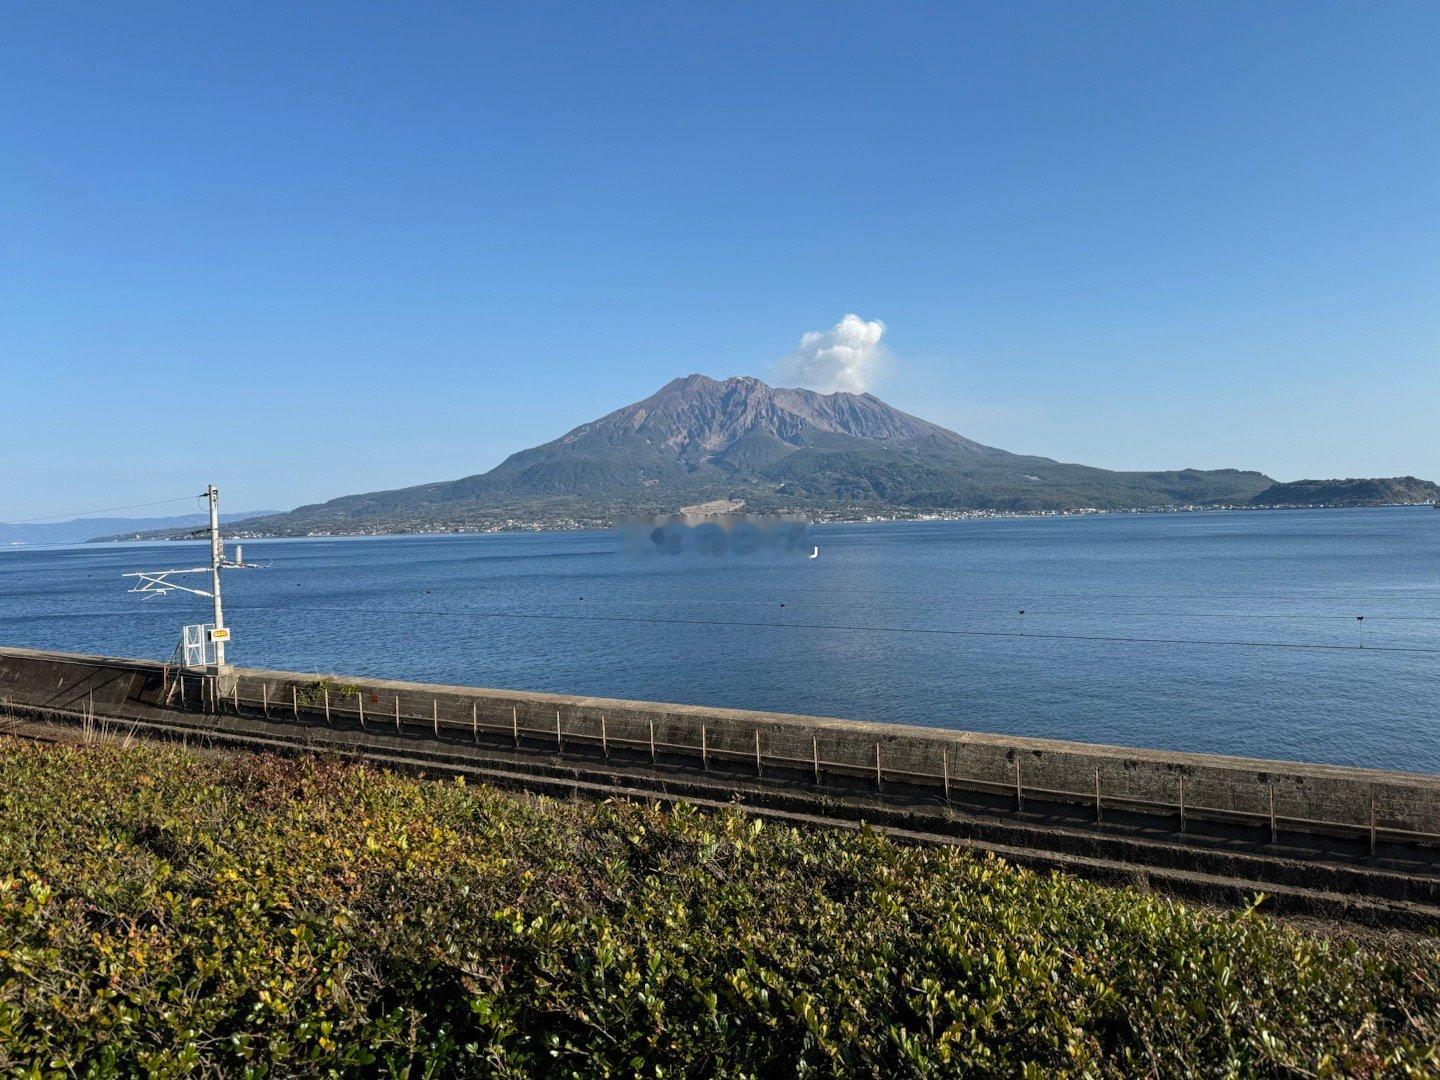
pixel 217 560
pixel 200 646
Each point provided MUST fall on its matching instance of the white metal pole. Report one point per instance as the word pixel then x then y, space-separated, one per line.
pixel 217 556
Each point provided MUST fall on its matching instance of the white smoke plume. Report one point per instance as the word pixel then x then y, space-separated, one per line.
pixel 849 356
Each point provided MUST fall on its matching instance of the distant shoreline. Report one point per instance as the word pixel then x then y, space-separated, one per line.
pixel 577 525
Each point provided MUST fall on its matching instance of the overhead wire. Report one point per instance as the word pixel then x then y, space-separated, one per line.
pixel 1022 612
pixel 101 510
pixel 860 627
pixel 869 628
pixel 1349 619
pixel 993 613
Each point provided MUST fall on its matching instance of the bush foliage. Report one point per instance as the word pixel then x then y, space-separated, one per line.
pixel 167 914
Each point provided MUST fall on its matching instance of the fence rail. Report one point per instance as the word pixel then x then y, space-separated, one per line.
pixel 762 753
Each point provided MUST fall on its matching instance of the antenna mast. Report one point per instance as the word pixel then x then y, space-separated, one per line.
pixel 160 582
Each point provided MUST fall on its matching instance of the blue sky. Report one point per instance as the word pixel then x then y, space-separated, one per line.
pixel 308 250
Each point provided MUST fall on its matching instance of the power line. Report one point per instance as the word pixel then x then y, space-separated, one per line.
pixel 876 629
pixel 989 612
pixel 867 628
pixel 1061 613
pixel 1011 612
pixel 1426 596
pixel 1022 609
pixel 102 510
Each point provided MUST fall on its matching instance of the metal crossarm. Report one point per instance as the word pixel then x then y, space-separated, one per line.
pixel 158 583
pixel 203 645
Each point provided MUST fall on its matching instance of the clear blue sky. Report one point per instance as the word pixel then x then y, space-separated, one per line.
pixel 313 249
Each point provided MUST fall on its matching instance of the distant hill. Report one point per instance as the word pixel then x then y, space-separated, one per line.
pixel 79 530
pixel 699 439
pixel 1373 491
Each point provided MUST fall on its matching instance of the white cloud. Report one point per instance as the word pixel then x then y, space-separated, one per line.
pixel 849 356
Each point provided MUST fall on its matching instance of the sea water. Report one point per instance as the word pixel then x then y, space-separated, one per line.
pixel 1232 632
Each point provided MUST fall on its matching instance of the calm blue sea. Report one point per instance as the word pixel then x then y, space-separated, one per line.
pixel 852 633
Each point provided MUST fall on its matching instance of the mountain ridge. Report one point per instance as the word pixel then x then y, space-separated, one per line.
pixel 699 439
pixel 1352 491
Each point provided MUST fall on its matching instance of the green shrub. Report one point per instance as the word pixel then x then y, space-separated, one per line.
pixel 312 694
pixel 168 914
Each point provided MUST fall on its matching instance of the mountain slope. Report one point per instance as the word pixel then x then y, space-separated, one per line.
pixel 1379 491
pixel 777 449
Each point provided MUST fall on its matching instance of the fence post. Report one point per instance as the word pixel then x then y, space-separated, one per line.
pixel 327 706
pixel 1372 824
pixel 475 720
pixel 1019 800
pixel 515 724
pixel 360 702
pixel 435 717
pixel 559 744
pixel 1099 814
pixel 1182 802
pixel 265 698
pixel 759 770
pixel 945 770
pixel 815 756
pixel 295 701
pixel 1274 833
pixel 235 696
pixel 183 705
pixel 604 737
pixel 652 738
pixel 704 754
pixel 397 712
pixel 879 782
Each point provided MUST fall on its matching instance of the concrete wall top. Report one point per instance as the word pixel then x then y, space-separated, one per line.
pixel 884 732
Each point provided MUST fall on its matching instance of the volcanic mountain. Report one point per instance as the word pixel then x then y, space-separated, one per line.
pixel 737 439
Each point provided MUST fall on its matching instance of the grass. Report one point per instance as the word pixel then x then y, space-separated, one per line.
pixel 166 914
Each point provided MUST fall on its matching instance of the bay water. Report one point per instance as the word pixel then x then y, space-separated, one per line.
pixel 1231 632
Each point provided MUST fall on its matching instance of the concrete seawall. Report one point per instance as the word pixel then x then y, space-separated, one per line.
pixel 889 762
